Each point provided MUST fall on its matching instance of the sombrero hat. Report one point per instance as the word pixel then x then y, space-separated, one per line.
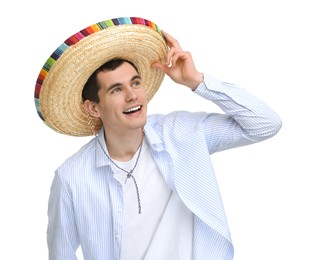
pixel 58 90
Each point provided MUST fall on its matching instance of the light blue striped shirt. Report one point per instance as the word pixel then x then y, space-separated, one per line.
pixel 86 202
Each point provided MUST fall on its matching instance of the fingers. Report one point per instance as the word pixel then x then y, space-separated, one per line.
pixel 173 53
pixel 171 42
pixel 174 48
pixel 176 55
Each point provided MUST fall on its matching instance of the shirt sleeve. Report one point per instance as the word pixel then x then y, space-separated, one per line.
pixel 246 120
pixel 62 238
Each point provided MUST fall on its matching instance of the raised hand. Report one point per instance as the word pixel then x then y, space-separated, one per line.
pixel 179 65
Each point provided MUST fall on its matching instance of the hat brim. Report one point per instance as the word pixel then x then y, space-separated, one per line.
pixel 58 92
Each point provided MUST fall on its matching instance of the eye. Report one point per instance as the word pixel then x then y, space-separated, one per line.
pixel 136 83
pixel 116 90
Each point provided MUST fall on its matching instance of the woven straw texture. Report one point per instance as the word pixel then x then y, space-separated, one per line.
pixel 58 97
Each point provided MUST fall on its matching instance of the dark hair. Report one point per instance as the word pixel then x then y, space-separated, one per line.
pixel 92 86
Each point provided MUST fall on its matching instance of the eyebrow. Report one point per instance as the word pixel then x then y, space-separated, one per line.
pixel 120 84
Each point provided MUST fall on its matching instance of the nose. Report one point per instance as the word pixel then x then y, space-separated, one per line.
pixel 131 94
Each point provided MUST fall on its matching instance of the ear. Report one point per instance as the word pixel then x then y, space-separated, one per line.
pixel 91 108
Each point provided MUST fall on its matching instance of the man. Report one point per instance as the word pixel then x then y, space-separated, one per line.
pixel 143 187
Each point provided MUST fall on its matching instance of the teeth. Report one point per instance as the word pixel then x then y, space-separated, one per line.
pixel 132 109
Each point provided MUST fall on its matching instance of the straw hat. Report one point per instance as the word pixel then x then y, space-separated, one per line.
pixel 60 82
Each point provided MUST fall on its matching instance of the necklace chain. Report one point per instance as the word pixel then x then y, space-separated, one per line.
pixel 130 172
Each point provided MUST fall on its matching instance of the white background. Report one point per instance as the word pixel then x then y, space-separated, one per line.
pixel 268 47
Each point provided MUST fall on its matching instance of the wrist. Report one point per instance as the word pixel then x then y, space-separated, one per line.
pixel 199 79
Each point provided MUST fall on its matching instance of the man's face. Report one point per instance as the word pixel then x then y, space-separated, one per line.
pixel 123 100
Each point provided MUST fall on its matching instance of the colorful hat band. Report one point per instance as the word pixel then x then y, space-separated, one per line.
pixel 76 38
pixel 57 95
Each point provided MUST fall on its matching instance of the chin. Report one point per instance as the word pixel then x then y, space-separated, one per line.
pixel 142 124
pixel 136 124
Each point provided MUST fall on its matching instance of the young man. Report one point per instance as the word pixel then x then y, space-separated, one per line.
pixel 143 187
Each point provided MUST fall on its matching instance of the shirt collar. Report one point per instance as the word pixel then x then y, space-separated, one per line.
pixel 152 138
pixel 100 157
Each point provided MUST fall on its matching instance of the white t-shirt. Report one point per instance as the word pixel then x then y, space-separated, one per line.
pixel 164 229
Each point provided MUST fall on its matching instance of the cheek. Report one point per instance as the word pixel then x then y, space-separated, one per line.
pixel 106 108
pixel 142 94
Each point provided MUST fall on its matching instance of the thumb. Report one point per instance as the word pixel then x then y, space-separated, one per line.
pixel 157 65
pixel 160 66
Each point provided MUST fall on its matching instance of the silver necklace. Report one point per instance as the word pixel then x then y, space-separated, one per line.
pixel 130 172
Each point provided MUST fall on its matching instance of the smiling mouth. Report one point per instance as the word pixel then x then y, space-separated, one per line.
pixel 132 110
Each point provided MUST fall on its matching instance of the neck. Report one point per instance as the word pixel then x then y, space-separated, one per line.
pixel 122 147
